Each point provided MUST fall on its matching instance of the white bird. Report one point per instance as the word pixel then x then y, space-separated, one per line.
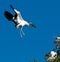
pixel 57 42
pixel 57 38
pixel 18 20
pixel 53 56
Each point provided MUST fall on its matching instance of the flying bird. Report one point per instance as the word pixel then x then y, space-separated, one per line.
pixel 18 20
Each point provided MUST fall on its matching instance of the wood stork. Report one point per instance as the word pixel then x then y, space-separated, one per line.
pixel 53 56
pixel 58 38
pixel 17 19
pixel 57 42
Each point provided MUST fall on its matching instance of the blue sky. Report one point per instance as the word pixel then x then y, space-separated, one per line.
pixel 45 14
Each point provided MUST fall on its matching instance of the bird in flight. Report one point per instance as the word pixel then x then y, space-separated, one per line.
pixel 18 20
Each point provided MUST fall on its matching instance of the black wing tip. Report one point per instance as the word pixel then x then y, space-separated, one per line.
pixel 8 15
pixel 11 6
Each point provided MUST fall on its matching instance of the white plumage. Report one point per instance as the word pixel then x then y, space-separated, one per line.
pixel 57 38
pixel 53 56
pixel 19 21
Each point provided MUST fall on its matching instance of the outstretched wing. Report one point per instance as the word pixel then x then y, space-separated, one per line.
pixel 17 12
pixel 9 16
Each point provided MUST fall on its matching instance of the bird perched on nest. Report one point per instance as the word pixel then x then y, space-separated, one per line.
pixel 53 56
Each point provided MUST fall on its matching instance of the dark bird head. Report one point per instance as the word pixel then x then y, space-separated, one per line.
pixel 30 23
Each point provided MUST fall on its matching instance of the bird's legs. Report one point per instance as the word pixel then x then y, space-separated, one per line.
pixel 21 32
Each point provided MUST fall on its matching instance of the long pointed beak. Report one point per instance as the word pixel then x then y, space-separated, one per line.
pixel 34 26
